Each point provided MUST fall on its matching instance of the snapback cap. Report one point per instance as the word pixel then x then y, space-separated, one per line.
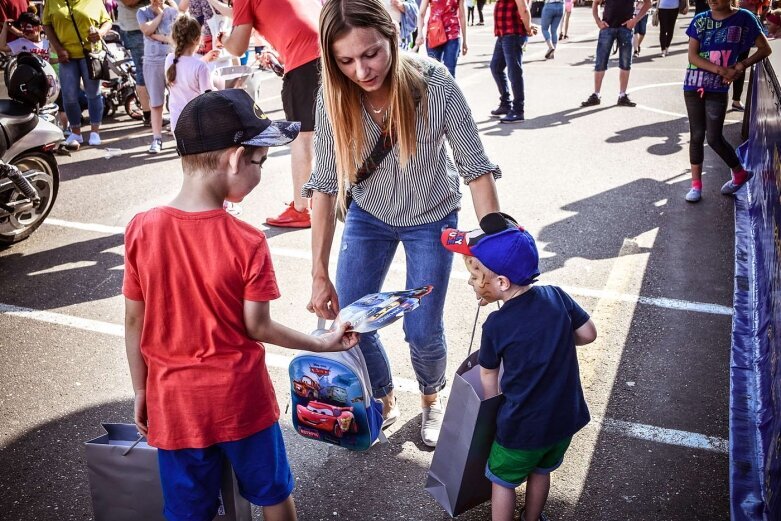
pixel 225 118
pixel 501 245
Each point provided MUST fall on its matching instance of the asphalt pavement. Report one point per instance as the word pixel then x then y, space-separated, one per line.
pixel 601 189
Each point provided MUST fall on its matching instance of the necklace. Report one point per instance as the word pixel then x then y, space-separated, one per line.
pixel 371 107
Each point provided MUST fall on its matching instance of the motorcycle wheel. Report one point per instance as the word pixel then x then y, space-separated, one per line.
pixel 42 172
pixel 133 107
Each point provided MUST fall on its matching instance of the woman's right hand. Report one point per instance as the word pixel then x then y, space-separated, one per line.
pixel 324 302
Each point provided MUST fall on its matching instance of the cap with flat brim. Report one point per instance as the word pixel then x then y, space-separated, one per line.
pixel 277 134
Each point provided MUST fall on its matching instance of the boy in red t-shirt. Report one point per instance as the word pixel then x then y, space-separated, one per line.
pixel 197 288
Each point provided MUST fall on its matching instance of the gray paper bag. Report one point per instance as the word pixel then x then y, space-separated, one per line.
pixel 125 480
pixel 456 478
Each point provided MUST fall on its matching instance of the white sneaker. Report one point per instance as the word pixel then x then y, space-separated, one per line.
pixel 94 139
pixel 393 415
pixel 431 423
pixel 74 141
pixel 156 146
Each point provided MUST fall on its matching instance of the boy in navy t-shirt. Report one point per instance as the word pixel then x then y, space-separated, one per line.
pixel 533 336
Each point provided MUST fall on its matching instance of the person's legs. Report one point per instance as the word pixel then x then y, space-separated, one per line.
pixel 436 53
pixel 715 112
pixel 70 83
pixel 624 36
pixel 134 42
pixel 537 488
pixel 450 55
pixel 695 109
pixel 94 99
pixel 480 5
pixel 604 45
pixel 470 15
pixel 737 84
pixel 545 23
pixel 512 47
pixel 301 157
pixel 667 19
pixel 284 511
pixel 154 75
pixel 365 256
pixel 558 14
pixel 498 66
pixel 502 503
pixel 567 14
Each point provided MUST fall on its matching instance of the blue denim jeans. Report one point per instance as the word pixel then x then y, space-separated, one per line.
pixel 447 53
pixel 605 45
pixel 133 41
pixel 552 13
pixel 71 76
pixel 508 54
pixel 367 249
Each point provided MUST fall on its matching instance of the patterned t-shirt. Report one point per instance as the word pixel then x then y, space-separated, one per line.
pixel 721 42
pixel 447 11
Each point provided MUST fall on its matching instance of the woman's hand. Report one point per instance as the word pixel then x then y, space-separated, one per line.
pixel 93 36
pixel 420 40
pixel 62 55
pixel 211 55
pixel 324 302
pixel 464 48
pixel 139 407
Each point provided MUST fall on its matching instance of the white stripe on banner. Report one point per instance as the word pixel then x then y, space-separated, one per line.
pixel 633 430
pixel 661 302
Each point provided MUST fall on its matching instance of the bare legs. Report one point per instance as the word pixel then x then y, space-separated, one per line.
pixel 503 499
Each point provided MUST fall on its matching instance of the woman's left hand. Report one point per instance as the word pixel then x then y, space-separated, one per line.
pixel 464 49
pixel 420 40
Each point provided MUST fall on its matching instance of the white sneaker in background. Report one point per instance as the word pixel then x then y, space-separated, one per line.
pixel 94 139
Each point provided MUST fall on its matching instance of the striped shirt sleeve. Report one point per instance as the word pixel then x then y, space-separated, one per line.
pixel 323 178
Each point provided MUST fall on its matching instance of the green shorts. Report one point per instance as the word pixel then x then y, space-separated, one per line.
pixel 510 467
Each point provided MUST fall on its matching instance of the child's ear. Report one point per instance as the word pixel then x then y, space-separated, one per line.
pixel 234 159
pixel 504 282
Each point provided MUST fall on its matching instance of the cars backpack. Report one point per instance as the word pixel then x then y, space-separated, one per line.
pixel 332 401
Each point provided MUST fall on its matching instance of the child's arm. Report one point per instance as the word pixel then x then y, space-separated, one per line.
pixel 4 37
pixel 586 333
pixel 490 380
pixel 261 327
pixel 134 324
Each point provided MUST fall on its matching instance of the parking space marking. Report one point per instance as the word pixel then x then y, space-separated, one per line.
pixel 661 302
pixel 634 430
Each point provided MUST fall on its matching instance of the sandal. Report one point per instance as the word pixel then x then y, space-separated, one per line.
pixel 738 106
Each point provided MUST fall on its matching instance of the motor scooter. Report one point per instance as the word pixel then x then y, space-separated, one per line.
pixel 29 175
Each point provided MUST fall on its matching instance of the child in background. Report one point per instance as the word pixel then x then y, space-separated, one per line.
pixel 197 288
pixel 774 24
pixel 187 74
pixel 533 337
pixel 30 26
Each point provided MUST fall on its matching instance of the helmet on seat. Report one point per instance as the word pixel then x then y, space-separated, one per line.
pixel 31 81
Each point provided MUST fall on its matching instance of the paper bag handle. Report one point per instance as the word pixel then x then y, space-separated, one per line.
pixel 474 326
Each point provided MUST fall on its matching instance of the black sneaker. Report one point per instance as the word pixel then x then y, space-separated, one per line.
pixel 501 110
pixel 624 101
pixel 591 101
pixel 512 117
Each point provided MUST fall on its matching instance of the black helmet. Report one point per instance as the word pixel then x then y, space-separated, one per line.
pixel 31 81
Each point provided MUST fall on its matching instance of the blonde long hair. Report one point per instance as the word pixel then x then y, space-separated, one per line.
pixel 343 97
pixel 185 33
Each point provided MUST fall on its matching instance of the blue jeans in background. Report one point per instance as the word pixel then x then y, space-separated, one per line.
pixel 447 53
pixel 72 74
pixel 552 13
pixel 365 256
pixel 508 54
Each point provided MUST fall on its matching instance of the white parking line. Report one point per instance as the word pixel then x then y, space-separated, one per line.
pixel 629 429
pixel 660 302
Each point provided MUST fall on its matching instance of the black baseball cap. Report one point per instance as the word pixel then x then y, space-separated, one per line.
pixel 222 119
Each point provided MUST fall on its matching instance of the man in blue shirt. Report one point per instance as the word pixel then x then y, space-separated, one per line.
pixel 533 337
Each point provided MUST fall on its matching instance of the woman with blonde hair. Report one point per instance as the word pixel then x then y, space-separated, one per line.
pixel 382 119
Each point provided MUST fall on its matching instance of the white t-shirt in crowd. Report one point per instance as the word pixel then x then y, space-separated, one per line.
pixel 394 13
pixel 40 49
pixel 193 78
pixel 668 4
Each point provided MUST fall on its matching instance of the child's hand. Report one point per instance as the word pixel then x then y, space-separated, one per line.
pixel 211 55
pixel 339 339
pixel 140 412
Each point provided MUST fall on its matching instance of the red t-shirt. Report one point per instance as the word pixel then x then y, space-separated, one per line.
pixel 207 380
pixel 11 9
pixel 447 10
pixel 290 26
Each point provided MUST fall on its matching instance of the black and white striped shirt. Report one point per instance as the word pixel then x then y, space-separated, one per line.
pixel 426 190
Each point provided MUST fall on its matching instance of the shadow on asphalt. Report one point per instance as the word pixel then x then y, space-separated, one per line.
pixel 563 117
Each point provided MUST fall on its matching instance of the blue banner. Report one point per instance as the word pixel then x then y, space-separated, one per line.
pixel 755 377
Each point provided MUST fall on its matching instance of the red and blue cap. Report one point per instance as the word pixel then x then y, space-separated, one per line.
pixel 501 245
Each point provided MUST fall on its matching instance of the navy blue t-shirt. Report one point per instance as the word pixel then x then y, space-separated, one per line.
pixel 533 336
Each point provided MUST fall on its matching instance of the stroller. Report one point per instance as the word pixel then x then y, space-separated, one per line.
pixel 120 90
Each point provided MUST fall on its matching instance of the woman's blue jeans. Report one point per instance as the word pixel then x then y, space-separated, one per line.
pixel 447 53
pixel 71 76
pixel 367 249
pixel 552 13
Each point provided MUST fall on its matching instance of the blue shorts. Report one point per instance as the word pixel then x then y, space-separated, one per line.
pixel 641 26
pixel 605 45
pixel 191 477
pixel 133 41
